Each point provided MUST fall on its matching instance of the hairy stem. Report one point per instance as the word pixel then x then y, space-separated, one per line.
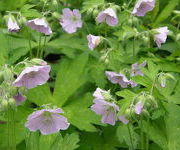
pixel 130 136
pixel 39 46
pixel 11 129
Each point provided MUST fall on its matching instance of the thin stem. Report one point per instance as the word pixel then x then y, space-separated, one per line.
pixel 11 129
pixel 42 50
pixel 134 47
pixel 130 136
pixel 147 135
pixel 39 46
pixel 129 3
pixel 30 46
pixel 142 135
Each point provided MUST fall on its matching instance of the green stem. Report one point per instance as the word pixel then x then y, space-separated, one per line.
pixel 30 46
pixel 11 129
pixel 147 135
pixel 134 47
pixel 142 134
pixel 39 46
pixel 130 136
pixel 42 50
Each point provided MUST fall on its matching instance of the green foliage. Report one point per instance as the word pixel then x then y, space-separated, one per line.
pixel 69 78
pixel 76 73
pixel 167 10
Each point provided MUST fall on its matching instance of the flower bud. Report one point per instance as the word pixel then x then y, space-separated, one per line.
pixel 56 15
pixel 146 40
pixel 22 20
pixel 38 61
pixel 12 102
pixel 107 95
pixel 4 105
pixel 95 13
pixel 178 37
pixel 54 2
pixel 145 113
pixel 7 74
pixel 90 11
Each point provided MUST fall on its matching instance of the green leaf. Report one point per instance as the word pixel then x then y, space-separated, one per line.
pixel 40 95
pixel 129 136
pixel 69 142
pixel 88 4
pixel 69 78
pixel 173 126
pixel 46 141
pixel 165 13
pixel 32 140
pixel 156 132
pixel 80 115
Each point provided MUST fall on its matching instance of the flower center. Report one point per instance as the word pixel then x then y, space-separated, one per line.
pixel 32 74
pixel 47 116
pixel 73 18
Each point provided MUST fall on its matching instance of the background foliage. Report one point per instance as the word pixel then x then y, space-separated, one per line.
pixel 77 71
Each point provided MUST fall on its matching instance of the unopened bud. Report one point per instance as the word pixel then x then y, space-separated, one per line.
pixel 145 113
pixel 178 37
pixel 107 95
pixel 38 61
pixel 146 40
pixel 56 15
pixel 7 74
pixel 54 2
pixel 95 12
pixel 22 20
pixel 12 102
pixel 90 11
pixel 4 105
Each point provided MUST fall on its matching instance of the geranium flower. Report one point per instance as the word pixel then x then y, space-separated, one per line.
pixel 143 6
pixel 19 98
pixel 119 79
pixel 48 121
pixel 40 25
pixel 136 69
pixel 109 16
pixel 93 41
pixel 161 36
pixel 123 119
pixel 100 94
pixel 71 20
pixel 139 107
pixel 12 25
pixel 106 109
pixel 30 77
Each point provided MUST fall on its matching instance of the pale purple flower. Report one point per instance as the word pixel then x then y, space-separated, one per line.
pixel 132 83
pixel 119 78
pixel 93 41
pixel 109 16
pixel 71 20
pixel 48 121
pixel 139 107
pixel 123 119
pixel 136 69
pixel 99 94
pixel 12 25
pixel 163 83
pixel 143 6
pixel 106 109
pixel 161 35
pixel 30 77
pixel 19 98
pixel 40 25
